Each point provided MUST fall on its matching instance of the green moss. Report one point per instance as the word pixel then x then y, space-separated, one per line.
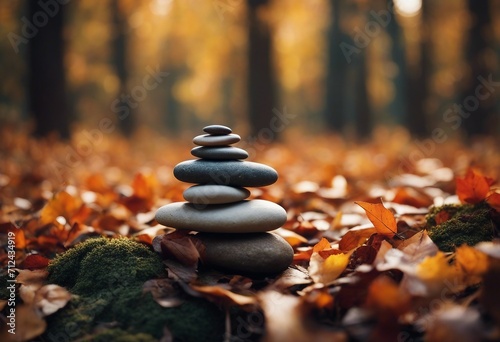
pixel 64 269
pixel 107 280
pixel 465 224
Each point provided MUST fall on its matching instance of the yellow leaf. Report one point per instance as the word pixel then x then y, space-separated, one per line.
pixel 327 270
pixel 382 218
pixel 472 262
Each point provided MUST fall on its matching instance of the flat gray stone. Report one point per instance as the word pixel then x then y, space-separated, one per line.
pixel 217 130
pixel 240 217
pixel 216 140
pixel 253 254
pixel 215 194
pixel 219 152
pixel 226 172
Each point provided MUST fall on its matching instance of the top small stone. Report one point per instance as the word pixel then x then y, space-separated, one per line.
pixel 217 130
pixel 216 140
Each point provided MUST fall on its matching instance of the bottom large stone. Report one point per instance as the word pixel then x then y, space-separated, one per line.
pixel 251 254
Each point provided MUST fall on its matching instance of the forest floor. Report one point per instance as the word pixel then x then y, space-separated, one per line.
pixel 377 255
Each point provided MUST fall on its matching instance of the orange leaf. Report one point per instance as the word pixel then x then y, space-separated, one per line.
pixel 381 217
pixel 354 238
pixel 321 245
pixel 62 204
pixel 473 188
pixel 494 201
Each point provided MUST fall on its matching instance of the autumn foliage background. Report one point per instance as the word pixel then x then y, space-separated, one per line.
pixel 359 177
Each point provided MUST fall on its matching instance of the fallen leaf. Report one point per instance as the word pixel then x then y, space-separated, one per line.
pixel 30 282
pixel 354 238
pixel 220 295
pixel 163 292
pixel 28 325
pixel 50 298
pixel 381 217
pixel 494 201
pixel 62 204
pixel 286 321
pixel 183 247
pixel 326 270
pixel 33 262
pixel 292 238
pixel 472 263
pixel 473 188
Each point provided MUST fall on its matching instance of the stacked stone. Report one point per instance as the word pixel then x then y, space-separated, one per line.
pixel 234 230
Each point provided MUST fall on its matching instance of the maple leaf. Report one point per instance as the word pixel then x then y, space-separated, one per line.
pixel 473 188
pixel 382 218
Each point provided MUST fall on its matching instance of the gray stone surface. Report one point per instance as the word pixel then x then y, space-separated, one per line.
pixel 240 217
pixel 230 172
pixel 215 194
pixel 217 130
pixel 258 253
pixel 216 140
pixel 219 152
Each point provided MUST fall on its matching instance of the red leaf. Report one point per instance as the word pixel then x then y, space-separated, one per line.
pixel 381 217
pixel 494 201
pixel 34 262
pixel 473 188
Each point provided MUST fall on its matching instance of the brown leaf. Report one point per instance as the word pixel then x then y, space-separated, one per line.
pixel 473 188
pixel 28 325
pixel 163 292
pixel 381 217
pixel 30 282
pixel 182 247
pixel 224 297
pixel 50 298
pixel 285 320
pixel 179 272
pixel 354 238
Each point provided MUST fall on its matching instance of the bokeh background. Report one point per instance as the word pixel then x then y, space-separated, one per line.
pixel 317 66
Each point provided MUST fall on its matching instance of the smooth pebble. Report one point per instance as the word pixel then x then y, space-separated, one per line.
pixel 219 152
pixel 216 140
pixel 215 194
pixel 253 254
pixel 217 130
pixel 240 217
pixel 227 172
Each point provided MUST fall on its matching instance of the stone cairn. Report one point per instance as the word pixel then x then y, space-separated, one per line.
pixel 234 230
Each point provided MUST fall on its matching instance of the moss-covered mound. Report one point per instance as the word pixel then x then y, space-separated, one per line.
pixel 450 226
pixel 106 277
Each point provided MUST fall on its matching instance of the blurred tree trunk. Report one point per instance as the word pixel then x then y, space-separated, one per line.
pixel 417 81
pixel 47 85
pixel 397 107
pixel 476 57
pixel 347 101
pixel 363 113
pixel 336 73
pixel 261 78
pixel 126 119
